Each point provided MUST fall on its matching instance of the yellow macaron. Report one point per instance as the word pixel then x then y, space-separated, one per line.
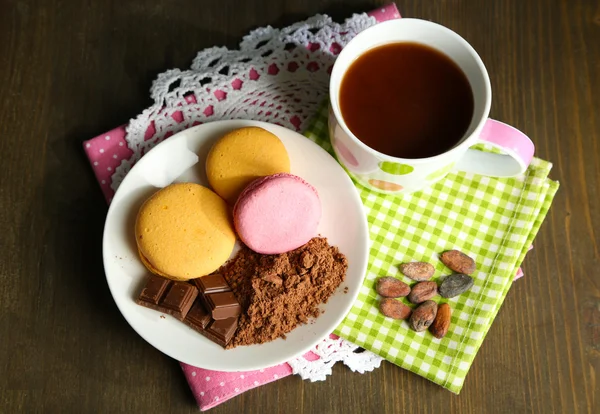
pixel 184 231
pixel 242 156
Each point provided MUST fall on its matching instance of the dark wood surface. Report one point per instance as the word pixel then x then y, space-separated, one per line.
pixel 70 70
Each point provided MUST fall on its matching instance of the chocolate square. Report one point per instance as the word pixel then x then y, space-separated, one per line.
pixel 212 284
pixel 223 305
pixel 197 317
pixel 223 330
pixel 153 292
pixel 179 299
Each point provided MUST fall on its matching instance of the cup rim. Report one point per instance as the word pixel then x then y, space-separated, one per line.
pixel 458 147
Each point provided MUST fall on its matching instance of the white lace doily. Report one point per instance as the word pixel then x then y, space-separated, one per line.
pixel 331 351
pixel 277 75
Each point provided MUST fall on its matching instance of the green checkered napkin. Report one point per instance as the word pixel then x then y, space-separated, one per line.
pixel 492 220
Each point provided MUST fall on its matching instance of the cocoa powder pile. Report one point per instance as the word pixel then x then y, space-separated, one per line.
pixel 279 292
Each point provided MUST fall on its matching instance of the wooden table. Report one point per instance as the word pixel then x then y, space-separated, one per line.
pixel 71 70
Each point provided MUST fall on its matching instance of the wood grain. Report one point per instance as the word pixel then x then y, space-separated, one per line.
pixel 73 69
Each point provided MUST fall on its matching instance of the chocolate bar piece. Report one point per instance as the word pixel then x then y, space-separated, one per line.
pixel 212 284
pixel 221 331
pixel 223 305
pixel 170 297
pixel 181 300
pixel 154 291
pixel 217 298
pixel 197 318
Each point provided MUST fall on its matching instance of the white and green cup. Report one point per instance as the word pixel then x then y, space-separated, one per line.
pixel 394 175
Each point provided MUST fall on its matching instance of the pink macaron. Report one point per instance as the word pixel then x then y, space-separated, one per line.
pixel 277 213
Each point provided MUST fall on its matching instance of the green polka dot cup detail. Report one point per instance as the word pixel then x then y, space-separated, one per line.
pixel 396 168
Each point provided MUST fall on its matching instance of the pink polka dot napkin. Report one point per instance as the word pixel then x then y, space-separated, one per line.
pixel 211 388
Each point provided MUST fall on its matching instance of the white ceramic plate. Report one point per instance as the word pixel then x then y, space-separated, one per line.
pixel 181 158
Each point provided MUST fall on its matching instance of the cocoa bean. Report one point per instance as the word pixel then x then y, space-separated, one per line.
pixel 395 309
pixel 423 316
pixel 458 261
pixel 390 287
pixel 423 291
pixel 441 323
pixel 418 271
pixel 454 285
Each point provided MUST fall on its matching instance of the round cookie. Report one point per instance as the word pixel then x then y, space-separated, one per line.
pixel 184 231
pixel 242 156
pixel 277 214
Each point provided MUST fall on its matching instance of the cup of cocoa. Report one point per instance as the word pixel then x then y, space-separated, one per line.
pixel 409 98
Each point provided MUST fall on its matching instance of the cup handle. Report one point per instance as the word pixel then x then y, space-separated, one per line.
pixel 517 151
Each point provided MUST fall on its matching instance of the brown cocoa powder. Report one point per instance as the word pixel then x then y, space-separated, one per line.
pixel 309 276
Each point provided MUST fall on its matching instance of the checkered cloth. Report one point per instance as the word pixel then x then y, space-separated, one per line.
pixel 492 220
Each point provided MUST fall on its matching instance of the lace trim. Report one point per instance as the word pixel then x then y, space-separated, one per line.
pixel 277 75
pixel 330 351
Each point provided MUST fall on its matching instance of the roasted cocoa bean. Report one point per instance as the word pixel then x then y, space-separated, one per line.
pixel 441 323
pixel 395 309
pixel 390 287
pixel 423 291
pixel 454 285
pixel 458 261
pixel 418 271
pixel 423 316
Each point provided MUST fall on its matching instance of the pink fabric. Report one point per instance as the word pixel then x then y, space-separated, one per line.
pixel 520 273
pixel 210 388
pixel 105 153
